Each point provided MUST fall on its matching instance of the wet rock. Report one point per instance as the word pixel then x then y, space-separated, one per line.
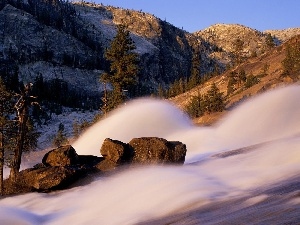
pixel 154 150
pixel 106 165
pixel 49 178
pixel 116 151
pixel 61 167
pixel 62 156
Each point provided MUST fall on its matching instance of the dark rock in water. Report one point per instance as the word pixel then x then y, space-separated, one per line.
pixel 61 167
pixel 154 150
pixel 145 150
pixel 49 178
pixel 62 156
pixel 116 151
pixel 106 165
pixel 178 152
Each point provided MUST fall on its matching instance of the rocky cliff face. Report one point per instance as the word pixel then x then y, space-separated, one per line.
pixel 66 42
pixel 223 37
pixel 32 48
pixel 165 50
pixel 71 48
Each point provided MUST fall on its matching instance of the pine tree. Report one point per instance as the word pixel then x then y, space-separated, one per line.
pixel 194 79
pixel 269 41
pixel 264 70
pixel 238 45
pixel 123 67
pixel 196 106
pixel 60 138
pixel 230 85
pixel 214 100
pixel 160 91
pixel 291 63
pixel 31 136
pixel 251 80
pixel 76 129
pixel 241 77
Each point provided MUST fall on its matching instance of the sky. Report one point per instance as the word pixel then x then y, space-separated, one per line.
pixel 194 15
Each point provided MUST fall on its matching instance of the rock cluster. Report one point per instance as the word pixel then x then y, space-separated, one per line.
pixel 63 166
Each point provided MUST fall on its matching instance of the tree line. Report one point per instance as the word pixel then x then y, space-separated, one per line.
pixel 200 104
pixel 291 63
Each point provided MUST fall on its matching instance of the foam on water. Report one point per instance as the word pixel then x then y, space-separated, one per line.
pixel 272 119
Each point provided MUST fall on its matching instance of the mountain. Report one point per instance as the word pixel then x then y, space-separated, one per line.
pixel 285 34
pixel 61 45
pixel 64 41
pixel 267 69
pixel 224 37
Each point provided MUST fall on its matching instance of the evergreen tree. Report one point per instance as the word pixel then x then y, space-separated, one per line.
pixel 60 138
pixel 194 79
pixel 238 45
pixel 76 129
pixel 160 91
pixel 182 85
pixel 291 63
pixel 230 85
pixel 269 41
pixel 174 89
pixel 241 77
pixel 214 100
pixel 251 80
pixel 264 70
pixel 123 67
pixel 31 136
pixel 196 106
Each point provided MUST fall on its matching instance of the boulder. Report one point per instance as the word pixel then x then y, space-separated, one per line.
pixel 49 178
pixel 116 151
pixel 178 152
pixel 106 165
pixel 61 167
pixel 62 156
pixel 154 150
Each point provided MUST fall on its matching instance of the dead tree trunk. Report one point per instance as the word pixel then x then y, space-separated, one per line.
pixel 22 108
pixel 16 162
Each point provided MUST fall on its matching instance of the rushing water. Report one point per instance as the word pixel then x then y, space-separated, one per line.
pixel 270 121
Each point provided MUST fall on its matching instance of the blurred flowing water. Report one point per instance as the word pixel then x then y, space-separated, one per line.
pixel 270 123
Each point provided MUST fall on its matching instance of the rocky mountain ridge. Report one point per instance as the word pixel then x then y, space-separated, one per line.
pixel 285 34
pixel 224 36
pixel 36 41
pixel 267 68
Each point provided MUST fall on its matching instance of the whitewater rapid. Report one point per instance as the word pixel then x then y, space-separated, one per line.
pixel 271 122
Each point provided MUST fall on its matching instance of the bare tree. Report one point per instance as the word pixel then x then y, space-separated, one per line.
pixel 22 108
